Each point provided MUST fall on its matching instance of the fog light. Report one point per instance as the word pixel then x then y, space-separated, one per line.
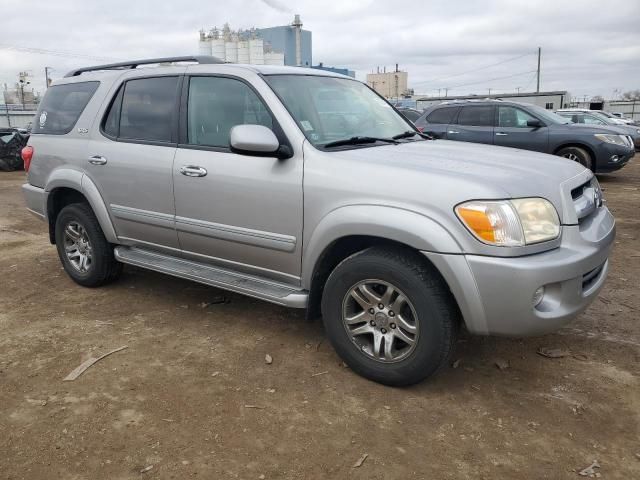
pixel 537 296
pixel 615 159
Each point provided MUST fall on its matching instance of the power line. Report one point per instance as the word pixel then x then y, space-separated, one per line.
pixel 475 69
pixel 57 53
pixel 491 79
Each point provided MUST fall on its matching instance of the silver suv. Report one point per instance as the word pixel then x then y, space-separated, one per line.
pixel 306 189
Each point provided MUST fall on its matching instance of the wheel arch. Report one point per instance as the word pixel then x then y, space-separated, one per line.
pixel 67 186
pixel 335 239
pixel 583 146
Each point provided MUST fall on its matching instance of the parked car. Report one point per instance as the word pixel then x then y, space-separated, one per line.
pixel 619 116
pixel 410 113
pixel 225 175
pixel 595 118
pixel 529 127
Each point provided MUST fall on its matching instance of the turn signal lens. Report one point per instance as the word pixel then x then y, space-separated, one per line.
pixel 495 223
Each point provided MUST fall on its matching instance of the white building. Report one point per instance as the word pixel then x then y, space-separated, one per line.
pixel 238 46
pixel 549 100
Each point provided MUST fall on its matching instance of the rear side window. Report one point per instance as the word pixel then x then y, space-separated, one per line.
pixel 144 109
pixel 216 105
pixel 441 115
pixel 62 106
pixel 476 116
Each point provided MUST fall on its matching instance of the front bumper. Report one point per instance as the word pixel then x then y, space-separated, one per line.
pixel 610 158
pixel 495 293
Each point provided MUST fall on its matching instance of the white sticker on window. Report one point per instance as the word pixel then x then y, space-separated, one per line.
pixel 306 124
pixel 43 119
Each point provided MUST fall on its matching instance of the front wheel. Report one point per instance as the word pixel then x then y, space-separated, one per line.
pixel 577 154
pixel 390 316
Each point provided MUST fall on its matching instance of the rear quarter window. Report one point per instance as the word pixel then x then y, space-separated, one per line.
pixel 442 115
pixel 62 106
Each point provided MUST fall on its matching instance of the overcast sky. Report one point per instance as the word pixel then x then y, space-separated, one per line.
pixel 588 47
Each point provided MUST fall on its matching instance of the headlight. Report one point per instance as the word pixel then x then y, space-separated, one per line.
pixel 509 223
pixel 615 139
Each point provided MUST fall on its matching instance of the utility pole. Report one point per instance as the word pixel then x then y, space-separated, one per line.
pixel 538 74
pixel 446 90
pixel 518 89
pixel 46 76
pixel 489 92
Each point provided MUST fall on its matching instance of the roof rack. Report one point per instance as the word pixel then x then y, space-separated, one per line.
pixel 202 59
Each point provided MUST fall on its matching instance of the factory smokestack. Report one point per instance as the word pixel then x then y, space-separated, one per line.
pixel 297 25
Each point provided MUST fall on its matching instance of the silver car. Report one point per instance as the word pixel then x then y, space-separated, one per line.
pixel 307 189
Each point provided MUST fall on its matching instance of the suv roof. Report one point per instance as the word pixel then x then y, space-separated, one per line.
pixel 202 60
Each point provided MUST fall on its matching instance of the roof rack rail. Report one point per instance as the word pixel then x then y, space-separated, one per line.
pixel 202 59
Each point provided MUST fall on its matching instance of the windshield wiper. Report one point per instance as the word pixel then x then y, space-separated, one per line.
pixel 411 133
pixel 359 141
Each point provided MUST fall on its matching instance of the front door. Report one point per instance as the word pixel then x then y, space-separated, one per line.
pixel 474 124
pixel 513 131
pixel 130 159
pixel 234 210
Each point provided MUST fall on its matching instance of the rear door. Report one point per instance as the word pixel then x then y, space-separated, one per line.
pixel 513 131
pixel 437 121
pixel 130 159
pixel 474 124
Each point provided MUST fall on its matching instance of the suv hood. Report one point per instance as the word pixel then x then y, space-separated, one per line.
pixel 457 171
pixel 582 129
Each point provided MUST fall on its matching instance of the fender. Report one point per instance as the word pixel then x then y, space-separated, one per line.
pixel 393 223
pixel 77 180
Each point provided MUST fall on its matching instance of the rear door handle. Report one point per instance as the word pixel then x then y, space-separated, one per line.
pixel 452 132
pixel 193 171
pixel 97 160
pixel 501 134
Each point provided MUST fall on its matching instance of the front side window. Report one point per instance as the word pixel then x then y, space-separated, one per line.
pixel 216 105
pixel 147 111
pixel 329 109
pixel 476 116
pixel 513 117
pixel 62 106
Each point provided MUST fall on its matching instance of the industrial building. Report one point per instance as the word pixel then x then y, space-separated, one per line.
pixel 342 71
pixel 283 45
pixel 389 84
pixel 549 100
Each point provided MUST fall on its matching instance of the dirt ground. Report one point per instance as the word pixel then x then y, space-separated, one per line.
pixel 192 397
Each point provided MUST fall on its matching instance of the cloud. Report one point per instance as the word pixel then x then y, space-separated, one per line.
pixel 586 49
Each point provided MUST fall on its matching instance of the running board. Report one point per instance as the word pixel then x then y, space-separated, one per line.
pixel 249 285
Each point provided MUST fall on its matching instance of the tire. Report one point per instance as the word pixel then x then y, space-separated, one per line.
pixel 577 154
pixel 79 221
pixel 435 316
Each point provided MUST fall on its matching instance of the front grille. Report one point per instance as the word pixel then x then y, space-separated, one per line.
pixel 587 198
pixel 591 277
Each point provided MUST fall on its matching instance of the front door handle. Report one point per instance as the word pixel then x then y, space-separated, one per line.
pixel 452 132
pixel 193 171
pixel 97 160
pixel 501 134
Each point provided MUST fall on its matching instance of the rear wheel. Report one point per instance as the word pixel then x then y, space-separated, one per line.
pixel 390 316
pixel 577 154
pixel 85 254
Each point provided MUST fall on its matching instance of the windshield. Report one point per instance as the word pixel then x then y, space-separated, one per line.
pixel 328 109
pixel 549 117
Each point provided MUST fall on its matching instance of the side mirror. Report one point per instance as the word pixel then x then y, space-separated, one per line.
pixel 534 123
pixel 254 140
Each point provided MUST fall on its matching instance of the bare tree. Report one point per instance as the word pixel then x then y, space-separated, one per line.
pixel 631 95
